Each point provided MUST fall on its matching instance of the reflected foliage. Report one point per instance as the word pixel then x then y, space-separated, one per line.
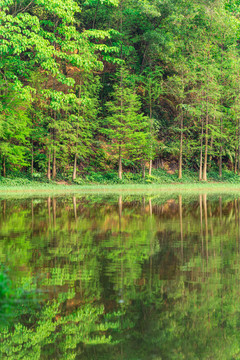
pixel 122 277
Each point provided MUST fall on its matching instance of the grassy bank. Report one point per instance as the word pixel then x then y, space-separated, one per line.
pixel 161 189
pixel 161 181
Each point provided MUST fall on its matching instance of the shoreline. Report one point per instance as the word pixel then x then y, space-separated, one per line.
pixel 47 189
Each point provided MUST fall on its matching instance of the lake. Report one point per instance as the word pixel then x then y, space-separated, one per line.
pixel 120 277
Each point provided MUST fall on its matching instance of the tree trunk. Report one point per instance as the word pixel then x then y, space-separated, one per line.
pixel 75 168
pixel 181 149
pixel 150 113
pixel 95 15
pixel 239 146
pixel 210 157
pixel 150 168
pixel 120 164
pixel 205 158
pixel 221 120
pixel 143 170
pixel 236 149
pixel 32 163
pixel 181 134
pixel 4 166
pixel 201 155
pixel 235 162
pixel 206 148
pixel 220 162
pixel 54 172
pixel 49 166
pixel 121 101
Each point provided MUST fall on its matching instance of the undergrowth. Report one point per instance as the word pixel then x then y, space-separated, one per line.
pixel 159 176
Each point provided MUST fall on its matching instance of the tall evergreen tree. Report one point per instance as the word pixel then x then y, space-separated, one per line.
pixel 125 125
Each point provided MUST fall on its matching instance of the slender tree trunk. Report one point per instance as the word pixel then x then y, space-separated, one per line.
pixel 239 146
pixel 150 113
pixel 236 149
pixel 205 158
pixel 144 57
pixel 74 168
pixel 143 170
pixel 120 163
pixel 206 147
pixel 221 121
pixel 49 166
pixel 221 151
pixel 95 15
pixel 121 101
pixel 201 154
pixel 238 215
pixel 150 168
pixel 32 163
pixel 4 166
pixel 181 148
pixel 54 116
pixel 54 172
pixel 181 134
pixel 210 157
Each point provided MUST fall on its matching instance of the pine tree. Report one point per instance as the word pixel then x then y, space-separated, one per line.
pixel 153 88
pixel 125 125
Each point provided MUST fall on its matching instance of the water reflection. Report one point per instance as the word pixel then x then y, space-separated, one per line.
pixel 122 277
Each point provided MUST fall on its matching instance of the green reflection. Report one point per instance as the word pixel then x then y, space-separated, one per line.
pixel 124 277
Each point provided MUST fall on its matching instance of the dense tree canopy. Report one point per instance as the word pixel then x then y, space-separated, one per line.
pixel 100 85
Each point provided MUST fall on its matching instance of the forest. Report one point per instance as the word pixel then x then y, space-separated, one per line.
pixel 119 87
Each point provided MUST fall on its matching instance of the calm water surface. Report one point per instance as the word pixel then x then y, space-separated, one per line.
pixel 120 277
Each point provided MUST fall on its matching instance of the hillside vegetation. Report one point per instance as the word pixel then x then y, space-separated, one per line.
pixel 109 90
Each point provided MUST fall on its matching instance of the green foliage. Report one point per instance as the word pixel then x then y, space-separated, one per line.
pixel 159 176
pixel 81 81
